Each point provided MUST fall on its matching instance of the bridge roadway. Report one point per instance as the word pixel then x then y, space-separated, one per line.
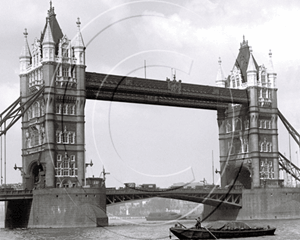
pixel 212 197
pixel 156 92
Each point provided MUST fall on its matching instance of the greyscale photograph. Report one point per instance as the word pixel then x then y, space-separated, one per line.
pixel 149 119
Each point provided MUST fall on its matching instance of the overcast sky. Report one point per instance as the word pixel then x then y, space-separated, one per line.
pixel 152 144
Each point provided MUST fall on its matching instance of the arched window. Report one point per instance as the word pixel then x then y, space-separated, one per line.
pixel 72 109
pixel 65 137
pixel 58 108
pixel 263 78
pixel 58 137
pixel 228 126
pixel 238 124
pixel 263 147
pixel 65 109
pixel 233 82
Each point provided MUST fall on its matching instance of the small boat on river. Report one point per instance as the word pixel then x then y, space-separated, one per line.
pixel 220 230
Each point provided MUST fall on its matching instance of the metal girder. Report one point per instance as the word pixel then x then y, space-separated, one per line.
pixel 205 196
pixel 289 167
pixel 290 128
pixel 15 112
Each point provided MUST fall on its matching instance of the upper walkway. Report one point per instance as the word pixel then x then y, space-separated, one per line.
pixel 101 86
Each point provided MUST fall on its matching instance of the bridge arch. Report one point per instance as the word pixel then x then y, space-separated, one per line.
pixel 244 177
pixel 36 173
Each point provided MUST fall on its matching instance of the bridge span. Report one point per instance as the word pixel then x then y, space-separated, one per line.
pixel 212 197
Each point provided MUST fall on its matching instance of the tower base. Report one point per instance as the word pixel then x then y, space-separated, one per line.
pixel 68 207
pixel 262 203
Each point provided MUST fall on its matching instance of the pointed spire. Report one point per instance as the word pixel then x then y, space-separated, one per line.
pixel 251 64
pixel 271 73
pixel 271 67
pixel 25 49
pixel 251 71
pixel 51 10
pixel 79 40
pixel 220 80
pixel 48 37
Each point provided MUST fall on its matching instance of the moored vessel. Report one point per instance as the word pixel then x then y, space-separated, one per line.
pixel 221 230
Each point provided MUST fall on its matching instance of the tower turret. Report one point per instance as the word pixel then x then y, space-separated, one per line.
pixel 220 80
pixel 271 73
pixel 79 48
pixel 251 72
pixel 48 44
pixel 25 56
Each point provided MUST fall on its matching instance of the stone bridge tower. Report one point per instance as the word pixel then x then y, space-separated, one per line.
pixel 53 142
pixel 248 134
pixel 53 147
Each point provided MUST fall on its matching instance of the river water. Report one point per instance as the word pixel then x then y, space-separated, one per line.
pixel 142 230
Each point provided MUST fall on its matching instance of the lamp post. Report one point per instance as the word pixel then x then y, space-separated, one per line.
pixel 20 169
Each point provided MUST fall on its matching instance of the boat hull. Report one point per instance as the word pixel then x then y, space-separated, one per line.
pixel 202 233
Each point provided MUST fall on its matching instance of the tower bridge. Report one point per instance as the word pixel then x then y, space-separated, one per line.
pixel 54 87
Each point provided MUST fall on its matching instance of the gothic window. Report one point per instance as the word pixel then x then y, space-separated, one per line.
pixel 65 137
pixel 246 146
pixel 266 169
pixel 237 81
pixel 58 137
pixel 65 166
pixel 65 71
pixel 65 109
pixel 260 93
pixel 65 52
pixel 72 157
pixel 238 125
pixel 263 147
pixel 263 78
pixel 58 108
pixel 233 82
pixel 74 73
pixel 71 138
pixel 66 172
pixel 66 163
pixel 264 93
pixel 228 126
pixel 267 124
pixel 72 109
pixel 37 109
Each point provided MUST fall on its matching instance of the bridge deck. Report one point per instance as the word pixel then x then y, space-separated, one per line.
pixel 206 196
pixel 15 195
pixel 169 93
